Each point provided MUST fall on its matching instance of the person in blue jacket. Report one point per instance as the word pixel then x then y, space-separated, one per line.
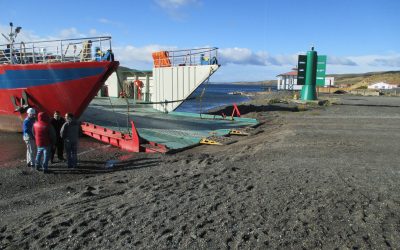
pixel 29 139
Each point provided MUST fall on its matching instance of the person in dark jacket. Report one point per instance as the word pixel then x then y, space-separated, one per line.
pixel 70 134
pixel 58 121
pixel 45 137
pixel 29 139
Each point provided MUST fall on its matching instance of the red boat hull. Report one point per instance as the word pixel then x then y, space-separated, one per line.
pixel 66 87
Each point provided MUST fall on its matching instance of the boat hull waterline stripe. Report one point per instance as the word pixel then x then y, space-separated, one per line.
pixel 13 79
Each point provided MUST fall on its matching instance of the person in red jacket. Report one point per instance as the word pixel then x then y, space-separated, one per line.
pixel 45 137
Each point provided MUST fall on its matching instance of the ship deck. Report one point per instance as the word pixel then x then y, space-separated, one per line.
pixel 176 130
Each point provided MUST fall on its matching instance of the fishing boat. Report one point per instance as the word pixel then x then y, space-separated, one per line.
pixel 62 75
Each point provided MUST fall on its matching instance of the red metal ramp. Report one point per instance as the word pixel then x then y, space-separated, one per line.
pixel 132 143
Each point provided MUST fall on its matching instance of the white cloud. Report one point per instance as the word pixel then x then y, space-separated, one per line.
pixel 138 57
pixel 131 55
pixel 24 35
pixel 174 7
pixel 335 60
pixel 93 32
pixel 104 20
pixel 234 59
pixel 236 72
pixel 282 60
pixel 67 33
pixel 175 4
pixel 109 22
pixel 239 56
pixel 245 56
pixel 70 32
pixel 263 65
pixel 366 63
pixel 389 61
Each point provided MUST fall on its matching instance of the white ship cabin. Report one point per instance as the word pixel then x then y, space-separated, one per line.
pixel 288 81
pixel 382 85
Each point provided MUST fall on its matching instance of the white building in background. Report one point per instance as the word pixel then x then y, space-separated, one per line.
pixel 329 81
pixel 382 85
pixel 288 81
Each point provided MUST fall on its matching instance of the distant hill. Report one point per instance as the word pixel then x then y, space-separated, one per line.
pixel 391 77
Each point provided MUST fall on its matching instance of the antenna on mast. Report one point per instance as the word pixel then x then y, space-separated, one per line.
pixel 11 38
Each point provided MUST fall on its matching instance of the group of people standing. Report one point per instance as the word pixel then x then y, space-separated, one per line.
pixel 45 136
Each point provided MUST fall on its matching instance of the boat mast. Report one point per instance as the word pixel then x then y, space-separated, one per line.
pixel 11 39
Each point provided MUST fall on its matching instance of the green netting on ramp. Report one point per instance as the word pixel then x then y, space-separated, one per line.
pixel 176 130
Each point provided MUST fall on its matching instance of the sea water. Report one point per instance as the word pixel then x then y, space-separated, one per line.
pixel 216 95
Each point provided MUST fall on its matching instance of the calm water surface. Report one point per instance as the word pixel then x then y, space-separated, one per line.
pixel 216 95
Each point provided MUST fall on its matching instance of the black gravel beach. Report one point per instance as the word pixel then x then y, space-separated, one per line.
pixel 327 177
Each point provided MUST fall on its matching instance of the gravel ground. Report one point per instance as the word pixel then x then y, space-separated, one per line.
pixel 325 178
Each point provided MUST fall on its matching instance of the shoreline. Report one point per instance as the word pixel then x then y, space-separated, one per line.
pixel 270 83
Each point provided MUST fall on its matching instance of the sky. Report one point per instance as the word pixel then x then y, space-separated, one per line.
pixel 257 39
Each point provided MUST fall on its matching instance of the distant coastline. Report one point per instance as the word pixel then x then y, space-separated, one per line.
pixel 265 83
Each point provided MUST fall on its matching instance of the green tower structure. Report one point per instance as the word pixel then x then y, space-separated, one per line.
pixel 308 92
pixel 311 73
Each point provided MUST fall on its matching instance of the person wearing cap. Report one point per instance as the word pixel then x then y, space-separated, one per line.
pixel 58 121
pixel 45 137
pixel 29 139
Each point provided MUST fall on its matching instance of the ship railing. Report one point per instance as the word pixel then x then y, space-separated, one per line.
pixel 186 57
pixel 51 51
